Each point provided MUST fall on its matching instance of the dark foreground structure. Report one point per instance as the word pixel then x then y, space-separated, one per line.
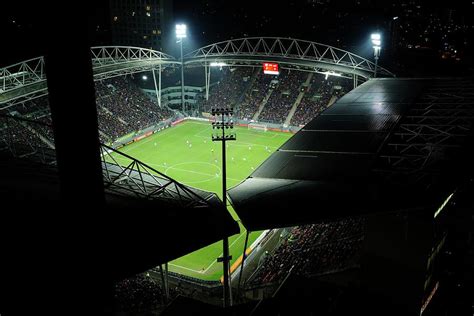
pixel 397 151
pixel 394 151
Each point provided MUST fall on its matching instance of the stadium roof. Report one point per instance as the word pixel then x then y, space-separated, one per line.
pixel 286 51
pixel 194 77
pixel 388 145
pixel 136 233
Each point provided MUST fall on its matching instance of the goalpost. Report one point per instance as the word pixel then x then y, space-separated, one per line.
pixel 258 127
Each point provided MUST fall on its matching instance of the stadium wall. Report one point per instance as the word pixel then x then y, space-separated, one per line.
pixel 135 137
pixel 142 134
pixel 270 126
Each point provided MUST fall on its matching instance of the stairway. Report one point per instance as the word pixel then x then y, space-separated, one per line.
pixel 43 139
pixel 262 105
pixel 298 100
pixel 248 87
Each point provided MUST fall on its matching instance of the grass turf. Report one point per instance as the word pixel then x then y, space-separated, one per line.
pixel 186 153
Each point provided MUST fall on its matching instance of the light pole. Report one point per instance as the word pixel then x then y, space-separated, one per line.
pixel 376 42
pixel 180 34
pixel 224 123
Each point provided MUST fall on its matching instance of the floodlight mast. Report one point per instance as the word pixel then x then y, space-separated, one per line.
pixel 377 45
pixel 180 35
pixel 225 122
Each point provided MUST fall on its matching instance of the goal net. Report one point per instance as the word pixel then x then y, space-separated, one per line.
pixel 258 127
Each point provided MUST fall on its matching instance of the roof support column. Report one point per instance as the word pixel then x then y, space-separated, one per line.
pixel 207 74
pixel 74 130
pixel 78 225
pixel 157 87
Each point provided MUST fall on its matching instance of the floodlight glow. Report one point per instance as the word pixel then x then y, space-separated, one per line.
pixel 376 39
pixel 331 73
pixel 144 77
pixel 180 30
pixel 217 64
pixel 395 17
pixel 377 43
pixel 375 36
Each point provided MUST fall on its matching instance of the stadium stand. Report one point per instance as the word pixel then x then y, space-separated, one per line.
pixel 140 294
pixel 315 100
pixel 123 108
pixel 254 96
pixel 19 133
pixel 280 102
pixel 228 90
pixel 312 249
pixel 252 91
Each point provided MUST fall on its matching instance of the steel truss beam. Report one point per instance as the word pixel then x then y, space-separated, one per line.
pixel 141 180
pixel 432 132
pixel 28 79
pixel 287 51
pixel 25 98
pixel 137 178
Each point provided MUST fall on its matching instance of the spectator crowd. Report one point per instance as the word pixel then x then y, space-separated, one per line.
pixel 228 90
pixel 246 90
pixel 283 97
pixel 122 108
pixel 311 250
pixel 140 294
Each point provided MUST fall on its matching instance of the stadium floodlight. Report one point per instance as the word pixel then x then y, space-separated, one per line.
pixel 180 31
pixel 144 77
pixel 181 34
pixel 375 36
pixel 223 122
pixel 377 45
pixel 217 64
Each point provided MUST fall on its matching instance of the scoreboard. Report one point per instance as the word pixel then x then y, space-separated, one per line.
pixel 270 69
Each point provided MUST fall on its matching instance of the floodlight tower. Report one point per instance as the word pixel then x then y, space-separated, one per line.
pixel 224 124
pixel 180 35
pixel 376 42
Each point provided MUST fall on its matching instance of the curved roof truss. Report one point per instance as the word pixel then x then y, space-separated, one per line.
pixel 290 52
pixel 27 80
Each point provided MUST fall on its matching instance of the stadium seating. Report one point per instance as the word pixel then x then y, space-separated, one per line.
pixel 282 91
pixel 121 106
pixel 283 97
pixel 138 294
pixel 317 97
pixel 228 90
pixel 254 96
pixel 311 250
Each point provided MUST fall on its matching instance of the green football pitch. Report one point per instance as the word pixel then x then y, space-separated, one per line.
pixel 187 154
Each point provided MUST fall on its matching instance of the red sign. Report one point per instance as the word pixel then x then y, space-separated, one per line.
pixel 270 69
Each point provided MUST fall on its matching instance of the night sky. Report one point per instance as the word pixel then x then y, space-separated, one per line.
pixel 344 24
pixel 213 21
pixel 330 21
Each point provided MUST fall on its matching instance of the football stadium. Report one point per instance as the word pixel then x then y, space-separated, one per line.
pixel 247 169
pixel 186 153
